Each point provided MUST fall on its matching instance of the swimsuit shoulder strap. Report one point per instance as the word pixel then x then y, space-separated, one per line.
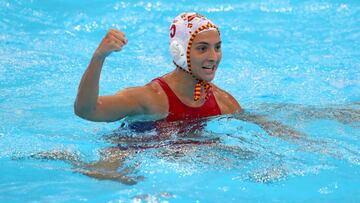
pixel 172 98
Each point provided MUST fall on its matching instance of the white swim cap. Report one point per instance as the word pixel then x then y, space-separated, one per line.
pixel 182 33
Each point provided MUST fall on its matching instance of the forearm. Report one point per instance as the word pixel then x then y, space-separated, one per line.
pixel 273 128
pixel 88 91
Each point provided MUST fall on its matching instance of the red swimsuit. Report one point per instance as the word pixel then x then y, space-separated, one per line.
pixel 189 117
pixel 180 111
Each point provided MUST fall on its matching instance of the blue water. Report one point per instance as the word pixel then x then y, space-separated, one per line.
pixel 295 62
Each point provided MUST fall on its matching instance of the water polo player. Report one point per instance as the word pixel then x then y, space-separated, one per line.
pixel 184 93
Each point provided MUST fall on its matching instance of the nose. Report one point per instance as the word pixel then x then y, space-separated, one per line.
pixel 213 57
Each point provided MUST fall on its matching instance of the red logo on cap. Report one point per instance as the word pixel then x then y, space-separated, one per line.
pixel 172 31
pixel 190 18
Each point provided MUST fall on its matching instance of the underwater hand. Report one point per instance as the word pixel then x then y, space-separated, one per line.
pixel 114 40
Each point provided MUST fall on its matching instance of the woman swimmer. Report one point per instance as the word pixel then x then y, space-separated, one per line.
pixel 185 93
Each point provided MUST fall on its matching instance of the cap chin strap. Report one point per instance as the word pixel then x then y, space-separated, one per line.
pixel 200 83
pixel 205 84
pixel 197 92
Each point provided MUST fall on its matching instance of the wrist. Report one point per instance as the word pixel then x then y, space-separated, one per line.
pixel 99 55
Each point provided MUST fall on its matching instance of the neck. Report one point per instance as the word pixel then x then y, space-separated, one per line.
pixel 183 82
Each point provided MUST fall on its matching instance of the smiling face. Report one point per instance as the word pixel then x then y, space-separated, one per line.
pixel 205 55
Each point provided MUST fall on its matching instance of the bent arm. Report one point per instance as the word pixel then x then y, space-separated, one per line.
pixel 88 92
pixel 126 102
pixel 88 104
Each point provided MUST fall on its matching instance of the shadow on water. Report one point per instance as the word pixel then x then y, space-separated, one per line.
pixel 269 143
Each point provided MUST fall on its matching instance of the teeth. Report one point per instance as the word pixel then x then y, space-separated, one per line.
pixel 211 67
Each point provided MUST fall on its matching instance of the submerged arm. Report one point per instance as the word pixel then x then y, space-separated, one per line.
pixel 107 168
pixel 273 128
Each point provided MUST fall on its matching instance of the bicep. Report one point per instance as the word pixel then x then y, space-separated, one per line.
pixel 126 102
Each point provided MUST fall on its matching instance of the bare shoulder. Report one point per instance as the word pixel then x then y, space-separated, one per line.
pixel 226 101
pixel 148 91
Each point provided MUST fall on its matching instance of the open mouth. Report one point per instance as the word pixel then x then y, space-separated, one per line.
pixel 209 67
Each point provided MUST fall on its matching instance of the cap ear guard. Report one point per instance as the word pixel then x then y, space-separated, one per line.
pixel 178 54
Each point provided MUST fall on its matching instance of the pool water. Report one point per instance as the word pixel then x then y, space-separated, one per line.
pixel 293 62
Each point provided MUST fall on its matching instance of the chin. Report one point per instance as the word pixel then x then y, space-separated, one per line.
pixel 209 78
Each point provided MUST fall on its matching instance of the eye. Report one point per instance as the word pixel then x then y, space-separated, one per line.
pixel 218 47
pixel 201 48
